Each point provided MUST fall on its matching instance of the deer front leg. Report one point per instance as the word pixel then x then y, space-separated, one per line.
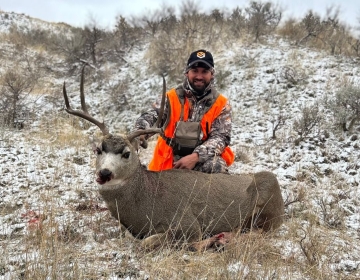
pixel 187 230
pixel 155 241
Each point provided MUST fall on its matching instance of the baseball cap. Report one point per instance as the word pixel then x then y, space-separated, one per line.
pixel 200 58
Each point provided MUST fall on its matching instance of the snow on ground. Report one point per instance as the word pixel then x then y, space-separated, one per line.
pixel 41 169
pixel 25 23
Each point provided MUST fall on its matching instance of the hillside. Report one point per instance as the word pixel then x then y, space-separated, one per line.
pixel 54 224
pixel 26 23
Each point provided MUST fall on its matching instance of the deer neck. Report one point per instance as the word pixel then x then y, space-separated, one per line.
pixel 132 188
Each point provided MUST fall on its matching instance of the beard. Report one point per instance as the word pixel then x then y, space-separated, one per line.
pixel 199 86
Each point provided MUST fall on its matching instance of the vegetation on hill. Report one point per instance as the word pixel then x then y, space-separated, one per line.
pixel 294 89
pixel 168 38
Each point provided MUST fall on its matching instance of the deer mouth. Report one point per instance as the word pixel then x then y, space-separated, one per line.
pixel 104 176
pixel 102 181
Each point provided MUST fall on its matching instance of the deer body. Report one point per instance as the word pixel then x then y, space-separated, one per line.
pixel 187 204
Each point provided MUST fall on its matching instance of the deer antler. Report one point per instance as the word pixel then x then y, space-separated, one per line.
pixel 137 133
pixel 84 113
pixel 155 128
pixel 162 104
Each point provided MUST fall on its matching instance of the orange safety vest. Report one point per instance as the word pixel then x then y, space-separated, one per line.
pixel 163 153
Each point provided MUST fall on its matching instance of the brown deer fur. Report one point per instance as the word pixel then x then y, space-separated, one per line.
pixel 182 204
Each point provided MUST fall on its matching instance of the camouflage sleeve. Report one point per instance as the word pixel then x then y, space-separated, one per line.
pixel 149 118
pixel 219 136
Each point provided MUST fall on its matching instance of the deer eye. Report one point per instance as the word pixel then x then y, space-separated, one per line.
pixel 126 155
pixel 97 151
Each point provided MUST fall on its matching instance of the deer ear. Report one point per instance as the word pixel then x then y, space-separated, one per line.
pixel 95 142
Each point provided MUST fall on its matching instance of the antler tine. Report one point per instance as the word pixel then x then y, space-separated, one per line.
pixel 137 133
pixel 82 95
pixel 84 113
pixel 67 104
pixel 162 104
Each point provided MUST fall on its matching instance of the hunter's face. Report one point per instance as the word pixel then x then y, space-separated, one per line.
pixel 199 78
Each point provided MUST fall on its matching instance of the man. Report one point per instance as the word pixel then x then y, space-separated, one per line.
pixel 196 122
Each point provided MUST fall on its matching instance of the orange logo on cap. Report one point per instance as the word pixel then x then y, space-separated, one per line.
pixel 200 54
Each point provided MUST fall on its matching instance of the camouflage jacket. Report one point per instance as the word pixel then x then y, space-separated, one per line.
pixel 220 134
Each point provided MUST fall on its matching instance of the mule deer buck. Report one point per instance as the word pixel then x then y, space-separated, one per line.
pixel 177 205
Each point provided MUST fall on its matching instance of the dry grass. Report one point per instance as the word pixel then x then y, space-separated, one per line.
pixel 58 227
pixel 68 234
pixel 67 251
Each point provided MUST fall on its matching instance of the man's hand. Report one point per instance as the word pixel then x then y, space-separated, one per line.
pixel 187 162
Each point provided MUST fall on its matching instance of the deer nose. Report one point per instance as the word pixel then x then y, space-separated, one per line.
pixel 105 174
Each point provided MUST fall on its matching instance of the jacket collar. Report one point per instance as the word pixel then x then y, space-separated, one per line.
pixel 210 92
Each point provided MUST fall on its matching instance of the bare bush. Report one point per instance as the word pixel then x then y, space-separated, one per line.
pixel 262 18
pixel 331 214
pixel 291 76
pixel 125 34
pixel 81 44
pixel 327 33
pixel 277 123
pixel 71 47
pixel 309 119
pixel 193 30
pixel 345 106
pixel 34 37
pixel 215 26
pixel 192 25
pixel 93 35
pixel 151 22
pixel 354 44
pixel 15 89
pixel 311 26
pixel 334 32
pixel 166 57
pixel 171 47
pixel 309 245
pixel 169 21
pixel 290 30
pixel 124 38
pixel 237 22
pixel 295 197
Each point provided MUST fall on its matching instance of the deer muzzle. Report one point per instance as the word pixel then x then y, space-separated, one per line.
pixel 103 176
